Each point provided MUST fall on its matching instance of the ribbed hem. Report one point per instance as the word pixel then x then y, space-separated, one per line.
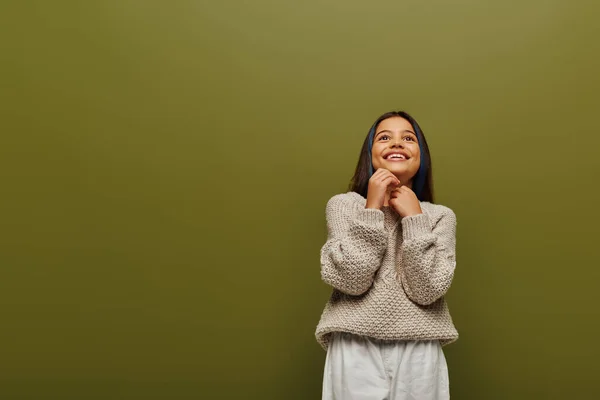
pixel 415 226
pixel 371 217
pixel 448 335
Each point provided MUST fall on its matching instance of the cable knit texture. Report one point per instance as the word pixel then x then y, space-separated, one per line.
pixel 389 274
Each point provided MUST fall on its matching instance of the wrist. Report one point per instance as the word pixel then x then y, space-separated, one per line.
pixel 372 206
pixel 413 214
pixel 416 226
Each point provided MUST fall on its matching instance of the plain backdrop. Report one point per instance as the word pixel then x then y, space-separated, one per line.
pixel 165 165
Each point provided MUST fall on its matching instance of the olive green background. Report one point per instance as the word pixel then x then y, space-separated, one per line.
pixel 165 167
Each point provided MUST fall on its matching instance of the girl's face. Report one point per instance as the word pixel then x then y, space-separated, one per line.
pixel 395 148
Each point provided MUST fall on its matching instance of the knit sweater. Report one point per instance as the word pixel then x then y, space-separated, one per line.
pixel 389 274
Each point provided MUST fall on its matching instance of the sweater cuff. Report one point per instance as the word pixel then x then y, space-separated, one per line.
pixel 371 217
pixel 415 226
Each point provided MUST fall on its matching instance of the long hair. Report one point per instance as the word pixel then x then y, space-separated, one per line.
pixel 422 181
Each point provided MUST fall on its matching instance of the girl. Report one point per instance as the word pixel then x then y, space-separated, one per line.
pixel 390 258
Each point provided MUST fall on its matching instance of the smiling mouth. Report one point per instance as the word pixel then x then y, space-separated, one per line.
pixel 395 157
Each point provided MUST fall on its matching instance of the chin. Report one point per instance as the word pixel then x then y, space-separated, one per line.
pixel 404 175
pixel 400 168
pixel 399 171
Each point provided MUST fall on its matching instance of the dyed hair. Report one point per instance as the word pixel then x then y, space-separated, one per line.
pixel 422 183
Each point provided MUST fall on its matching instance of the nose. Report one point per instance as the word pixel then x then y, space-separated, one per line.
pixel 397 143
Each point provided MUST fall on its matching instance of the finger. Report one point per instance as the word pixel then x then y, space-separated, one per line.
pixel 388 180
pixel 397 181
pixel 388 173
pixel 395 178
pixel 396 193
pixel 384 174
pixel 378 174
pixel 389 183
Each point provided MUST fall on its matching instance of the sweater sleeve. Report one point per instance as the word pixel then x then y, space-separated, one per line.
pixel 355 246
pixel 428 256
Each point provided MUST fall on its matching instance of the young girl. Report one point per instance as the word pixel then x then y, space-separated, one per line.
pixel 390 258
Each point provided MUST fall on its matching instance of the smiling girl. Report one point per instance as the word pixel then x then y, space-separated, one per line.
pixel 390 259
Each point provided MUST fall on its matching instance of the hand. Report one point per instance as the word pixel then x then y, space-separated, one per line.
pixel 379 184
pixel 405 202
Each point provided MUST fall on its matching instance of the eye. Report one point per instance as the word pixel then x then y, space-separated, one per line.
pixel 384 137
pixel 410 138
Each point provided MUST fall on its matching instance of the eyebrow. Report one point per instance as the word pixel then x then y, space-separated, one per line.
pixel 388 131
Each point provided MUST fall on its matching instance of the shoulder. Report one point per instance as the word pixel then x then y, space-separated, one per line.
pixel 344 200
pixel 345 205
pixel 438 212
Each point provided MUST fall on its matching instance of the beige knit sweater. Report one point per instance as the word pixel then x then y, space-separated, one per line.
pixel 389 274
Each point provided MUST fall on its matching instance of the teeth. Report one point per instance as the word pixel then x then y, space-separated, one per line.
pixel 397 156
